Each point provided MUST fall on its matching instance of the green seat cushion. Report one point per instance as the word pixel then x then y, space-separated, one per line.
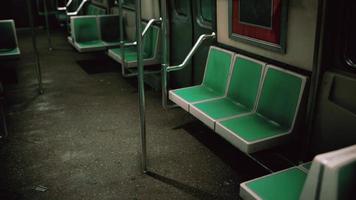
pixel 254 127
pixel 130 53
pixel 242 91
pixel 90 44
pixel 245 81
pixel 280 96
pixel 196 93
pixel 85 29
pixel 221 108
pixel 287 184
pixel 150 41
pixel 217 70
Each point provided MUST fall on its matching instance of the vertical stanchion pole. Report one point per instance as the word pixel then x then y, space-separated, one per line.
pixel 165 52
pixel 34 44
pixel 141 87
pixel 47 25
pixel 122 47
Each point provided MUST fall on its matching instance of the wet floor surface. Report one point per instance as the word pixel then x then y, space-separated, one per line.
pixel 81 138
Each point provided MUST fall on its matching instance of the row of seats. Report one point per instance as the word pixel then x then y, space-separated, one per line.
pixel 9 48
pixel 101 32
pixel 330 176
pixel 249 103
pixel 89 9
pixel 94 33
pixel 151 54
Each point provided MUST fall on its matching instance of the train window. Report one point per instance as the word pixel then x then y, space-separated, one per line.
pixel 181 7
pixel 206 11
pixel 350 40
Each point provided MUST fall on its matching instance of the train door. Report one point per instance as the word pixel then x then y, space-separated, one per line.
pixel 188 20
pixel 335 116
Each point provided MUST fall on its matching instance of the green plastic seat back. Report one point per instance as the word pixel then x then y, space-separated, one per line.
pixel 150 41
pixel 346 181
pixel 245 81
pixel 85 29
pixel 280 96
pixel 92 9
pixel 217 70
pixel 109 28
pixel 7 35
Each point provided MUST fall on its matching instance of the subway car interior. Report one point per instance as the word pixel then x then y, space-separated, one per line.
pixel 177 99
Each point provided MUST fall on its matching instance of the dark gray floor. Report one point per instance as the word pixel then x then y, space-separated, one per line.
pixel 80 139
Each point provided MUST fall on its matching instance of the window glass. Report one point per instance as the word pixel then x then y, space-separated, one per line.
pixel 206 10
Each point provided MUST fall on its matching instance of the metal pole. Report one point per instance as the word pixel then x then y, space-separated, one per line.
pixel 141 86
pixel 47 25
pixel 34 44
pixel 165 52
pixel 122 43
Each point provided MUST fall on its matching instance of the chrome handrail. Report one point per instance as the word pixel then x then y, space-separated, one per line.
pixel 149 24
pixel 191 53
pixel 166 68
pixel 123 45
pixel 65 7
pixel 78 9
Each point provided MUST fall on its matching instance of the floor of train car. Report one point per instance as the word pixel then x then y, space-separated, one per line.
pixel 80 139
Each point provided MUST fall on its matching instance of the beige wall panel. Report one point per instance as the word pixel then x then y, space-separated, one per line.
pixel 302 16
pixel 150 9
pixel 130 24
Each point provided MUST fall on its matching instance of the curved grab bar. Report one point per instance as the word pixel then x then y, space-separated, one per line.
pixel 78 9
pixel 191 53
pixel 65 8
pixel 149 24
pixel 166 68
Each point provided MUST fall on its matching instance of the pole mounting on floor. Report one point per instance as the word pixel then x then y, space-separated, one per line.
pixel 38 70
pixel 141 87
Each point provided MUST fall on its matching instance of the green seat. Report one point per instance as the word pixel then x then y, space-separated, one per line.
pixel 150 50
pixel 85 34
pixel 92 9
pixel 241 96
pixel 331 176
pixel 287 184
pixel 8 40
pixel 214 83
pixel 110 30
pixel 274 117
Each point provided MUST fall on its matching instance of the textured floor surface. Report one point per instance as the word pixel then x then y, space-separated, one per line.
pixel 81 139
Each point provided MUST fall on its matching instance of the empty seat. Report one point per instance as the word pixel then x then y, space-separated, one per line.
pixel 110 30
pixel 86 34
pixel 150 50
pixel 275 115
pixel 331 176
pixel 214 84
pixel 92 9
pixel 8 40
pixel 241 97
